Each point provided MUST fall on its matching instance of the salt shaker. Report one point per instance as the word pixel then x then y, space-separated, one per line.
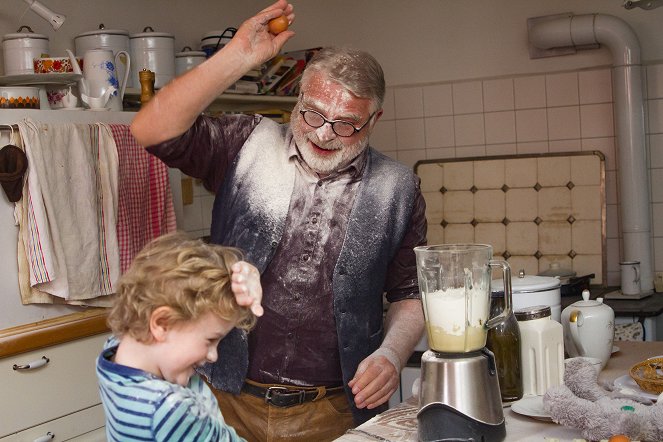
pixel 146 78
pixel 542 349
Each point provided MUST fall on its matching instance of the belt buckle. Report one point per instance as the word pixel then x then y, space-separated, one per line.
pixel 271 391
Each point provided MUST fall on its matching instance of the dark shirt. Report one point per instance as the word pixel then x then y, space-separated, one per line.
pixel 295 342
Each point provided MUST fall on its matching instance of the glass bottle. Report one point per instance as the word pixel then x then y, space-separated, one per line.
pixel 504 341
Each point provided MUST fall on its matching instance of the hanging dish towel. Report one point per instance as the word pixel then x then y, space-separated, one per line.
pixel 72 247
pixel 145 208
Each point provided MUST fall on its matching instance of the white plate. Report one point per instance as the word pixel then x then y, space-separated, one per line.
pixel 627 381
pixel 615 349
pixel 39 79
pixel 531 406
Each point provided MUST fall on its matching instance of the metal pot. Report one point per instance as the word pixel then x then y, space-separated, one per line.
pixel 187 60
pixel 20 49
pixel 116 40
pixel 154 51
pixel 531 290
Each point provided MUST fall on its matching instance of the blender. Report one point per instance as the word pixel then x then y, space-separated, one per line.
pixel 459 395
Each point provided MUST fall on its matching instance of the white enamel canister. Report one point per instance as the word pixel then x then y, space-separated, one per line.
pixel 531 290
pixel 116 40
pixel 188 59
pixel 21 48
pixel 154 51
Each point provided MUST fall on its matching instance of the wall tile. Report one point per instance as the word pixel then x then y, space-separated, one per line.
pixel 586 237
pixel 383 137
pixel 458 176
pixel 501 149
pixel 612 253
pixel 528 264
pixel 553 171
pixel 458 233
pixel 530 92
pixel 434 206
pixel 192 216
pixel 500 127
pixel 562 89
pixel 554 238
pixel 658 254
pixel 612 221
pixel 438 100
pixel 657 185
pixel 656 151
pixel 489 174
pixel 655 116
pixel 655 81
pixel 410 134
pixel 432 177
pixel 489 206
pixel 206 205
pixel 586 264
pixel 469 129
pixel 533 147
pixel 470 151
pixel 611 187
pixel 595 86
pixel 410 157
pixel 389 113
pixel 522 204
pixel 467 97
pixel 493 234
pixel 435 234
pixel 564 123
pixel 521 173
pixel 563 146
pixel 521 238
pixel 498 95
pixel 440 153
pixel 585 171
pixel 657 213
pixel 439 131
pixel 408 102
pixel 596 120
pixel 531 125
pixel 555 203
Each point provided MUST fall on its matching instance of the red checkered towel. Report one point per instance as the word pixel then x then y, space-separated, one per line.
pixel 145 206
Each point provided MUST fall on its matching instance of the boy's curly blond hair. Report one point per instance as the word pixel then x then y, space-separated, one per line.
pixel 187 275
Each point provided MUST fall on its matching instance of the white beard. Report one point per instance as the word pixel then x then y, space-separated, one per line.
pixel 342 156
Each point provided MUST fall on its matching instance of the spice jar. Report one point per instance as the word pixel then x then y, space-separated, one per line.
pixel 504 341
pixel 541 350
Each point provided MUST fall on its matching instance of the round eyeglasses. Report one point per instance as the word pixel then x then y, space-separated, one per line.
pixel 340 127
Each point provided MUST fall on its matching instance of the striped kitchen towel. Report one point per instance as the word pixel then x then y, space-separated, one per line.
pixel 145 199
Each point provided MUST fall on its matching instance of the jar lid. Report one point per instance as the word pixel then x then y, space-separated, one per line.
pixel 103 31
pixel 188 52
pixel 586 302
pixel 533 312
pixel 149 32
pixel 28 34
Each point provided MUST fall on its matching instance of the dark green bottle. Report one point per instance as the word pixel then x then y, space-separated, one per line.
pixel 504 342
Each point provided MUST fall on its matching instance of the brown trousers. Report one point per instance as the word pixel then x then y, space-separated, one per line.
pixel 321 420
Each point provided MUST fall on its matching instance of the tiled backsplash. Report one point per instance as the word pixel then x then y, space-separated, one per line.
pixel 534 210
pixel 528 114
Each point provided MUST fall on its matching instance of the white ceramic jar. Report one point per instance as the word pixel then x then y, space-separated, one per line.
pixel 541 349
pixel 154 51
pixel 530 290
pixel 215 40
pixel 116 40
pixel 188 59
pixel 21 48
pixel 589 328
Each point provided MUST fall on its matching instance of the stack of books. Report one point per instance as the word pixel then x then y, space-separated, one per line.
pixel 279 76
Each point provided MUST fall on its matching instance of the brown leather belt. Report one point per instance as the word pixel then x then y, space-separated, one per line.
pixel 284 397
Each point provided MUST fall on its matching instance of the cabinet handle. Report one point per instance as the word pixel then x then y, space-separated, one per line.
pixel 32 365
pixel 49 436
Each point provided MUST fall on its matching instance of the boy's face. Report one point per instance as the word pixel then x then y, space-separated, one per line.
pixel 189 345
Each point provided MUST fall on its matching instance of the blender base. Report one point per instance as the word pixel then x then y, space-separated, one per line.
pixel 441 423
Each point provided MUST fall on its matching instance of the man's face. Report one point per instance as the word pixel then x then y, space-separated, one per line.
pixel 322 149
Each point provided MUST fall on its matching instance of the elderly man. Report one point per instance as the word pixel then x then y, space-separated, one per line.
pixel 329 222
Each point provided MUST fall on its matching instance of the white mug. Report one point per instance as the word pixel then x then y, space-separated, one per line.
pixel 630 273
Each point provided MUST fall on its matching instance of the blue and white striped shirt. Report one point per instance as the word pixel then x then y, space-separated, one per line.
pixel 142 407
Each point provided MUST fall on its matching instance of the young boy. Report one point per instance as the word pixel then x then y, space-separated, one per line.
pixel 174 304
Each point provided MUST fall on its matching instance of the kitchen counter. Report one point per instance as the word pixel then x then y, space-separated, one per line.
pixel 399 424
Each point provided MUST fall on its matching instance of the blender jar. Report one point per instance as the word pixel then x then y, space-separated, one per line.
pixel 454 281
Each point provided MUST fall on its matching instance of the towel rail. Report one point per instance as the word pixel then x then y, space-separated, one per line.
pixel 10 127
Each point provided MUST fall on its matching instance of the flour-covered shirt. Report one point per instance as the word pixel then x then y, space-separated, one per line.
pixel 139 406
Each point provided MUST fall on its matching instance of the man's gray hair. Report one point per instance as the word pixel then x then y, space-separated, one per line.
pixel 356 70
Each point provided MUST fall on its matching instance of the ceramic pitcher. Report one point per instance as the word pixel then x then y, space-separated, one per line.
pixel 99 74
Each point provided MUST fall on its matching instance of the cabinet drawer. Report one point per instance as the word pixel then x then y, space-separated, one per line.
pixel 84 426
pixel 66 384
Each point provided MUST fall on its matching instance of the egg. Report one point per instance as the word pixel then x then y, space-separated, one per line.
pixel 278 24
pixel 619 438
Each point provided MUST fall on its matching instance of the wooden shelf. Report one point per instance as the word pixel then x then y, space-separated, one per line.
pixel 237 102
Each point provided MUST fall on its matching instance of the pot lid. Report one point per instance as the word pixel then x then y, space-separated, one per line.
pixel 149 32
pixel 528 283
pixel 103 31
pixel 556 270
pixel 29 34
pixel 188 52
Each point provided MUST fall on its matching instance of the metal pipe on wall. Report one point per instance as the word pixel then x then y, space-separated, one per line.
pixel 590 30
